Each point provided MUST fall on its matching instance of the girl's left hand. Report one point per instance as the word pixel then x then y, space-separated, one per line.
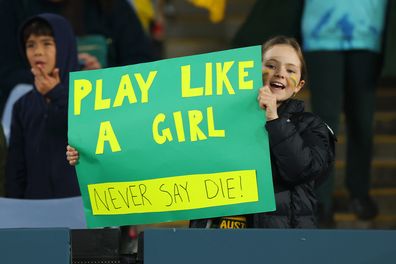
pixel 267 101
pixel 72 155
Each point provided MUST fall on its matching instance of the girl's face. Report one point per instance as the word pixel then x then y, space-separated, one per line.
pixel 282 71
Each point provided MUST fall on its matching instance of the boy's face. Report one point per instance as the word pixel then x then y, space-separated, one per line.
pixel 41 53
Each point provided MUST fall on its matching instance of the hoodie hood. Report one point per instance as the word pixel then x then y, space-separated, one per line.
pixel 65 41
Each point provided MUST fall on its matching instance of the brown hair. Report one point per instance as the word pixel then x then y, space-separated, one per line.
pixel 38 27
pixel 283 40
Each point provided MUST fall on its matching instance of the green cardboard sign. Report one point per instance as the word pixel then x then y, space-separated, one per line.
pixel 171 140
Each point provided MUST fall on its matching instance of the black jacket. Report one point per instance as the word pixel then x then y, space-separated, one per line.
pixel 36 163
pixel 302 149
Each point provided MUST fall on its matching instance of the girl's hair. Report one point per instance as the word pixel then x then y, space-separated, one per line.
pixel 38 27
pixel 283 40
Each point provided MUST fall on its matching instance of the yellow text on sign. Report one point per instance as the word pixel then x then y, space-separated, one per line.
pixel 174 193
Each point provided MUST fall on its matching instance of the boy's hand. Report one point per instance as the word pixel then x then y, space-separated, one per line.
pixel 71 155
pixel 90 62
pixel 45 82
pixel 267 101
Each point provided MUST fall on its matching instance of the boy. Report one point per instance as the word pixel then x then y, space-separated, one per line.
pixel 36 167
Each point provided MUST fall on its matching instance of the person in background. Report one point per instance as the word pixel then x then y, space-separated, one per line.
pixel 111 25
pixel 262 11
pixel 343 41
pixel 36 168
pixel 152 17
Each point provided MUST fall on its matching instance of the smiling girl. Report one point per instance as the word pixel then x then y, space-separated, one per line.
pixel 301 144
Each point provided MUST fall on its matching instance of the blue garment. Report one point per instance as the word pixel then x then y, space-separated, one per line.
pixel 36 164
pixel 343 24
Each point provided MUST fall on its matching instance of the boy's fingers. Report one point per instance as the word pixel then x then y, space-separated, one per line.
pixel 42 73
pixel 55 74
pixel 36 72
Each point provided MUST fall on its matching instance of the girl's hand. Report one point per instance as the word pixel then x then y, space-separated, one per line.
pixel 267 101
pixel 72 155
pixel 45 82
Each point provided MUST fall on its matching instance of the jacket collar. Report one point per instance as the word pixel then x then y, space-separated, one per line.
pixel 289 107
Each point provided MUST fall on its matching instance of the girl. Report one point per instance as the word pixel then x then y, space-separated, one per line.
pixel 301 145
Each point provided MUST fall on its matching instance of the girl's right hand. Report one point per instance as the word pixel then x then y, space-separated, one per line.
pixel 71 155
pixel 267 101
